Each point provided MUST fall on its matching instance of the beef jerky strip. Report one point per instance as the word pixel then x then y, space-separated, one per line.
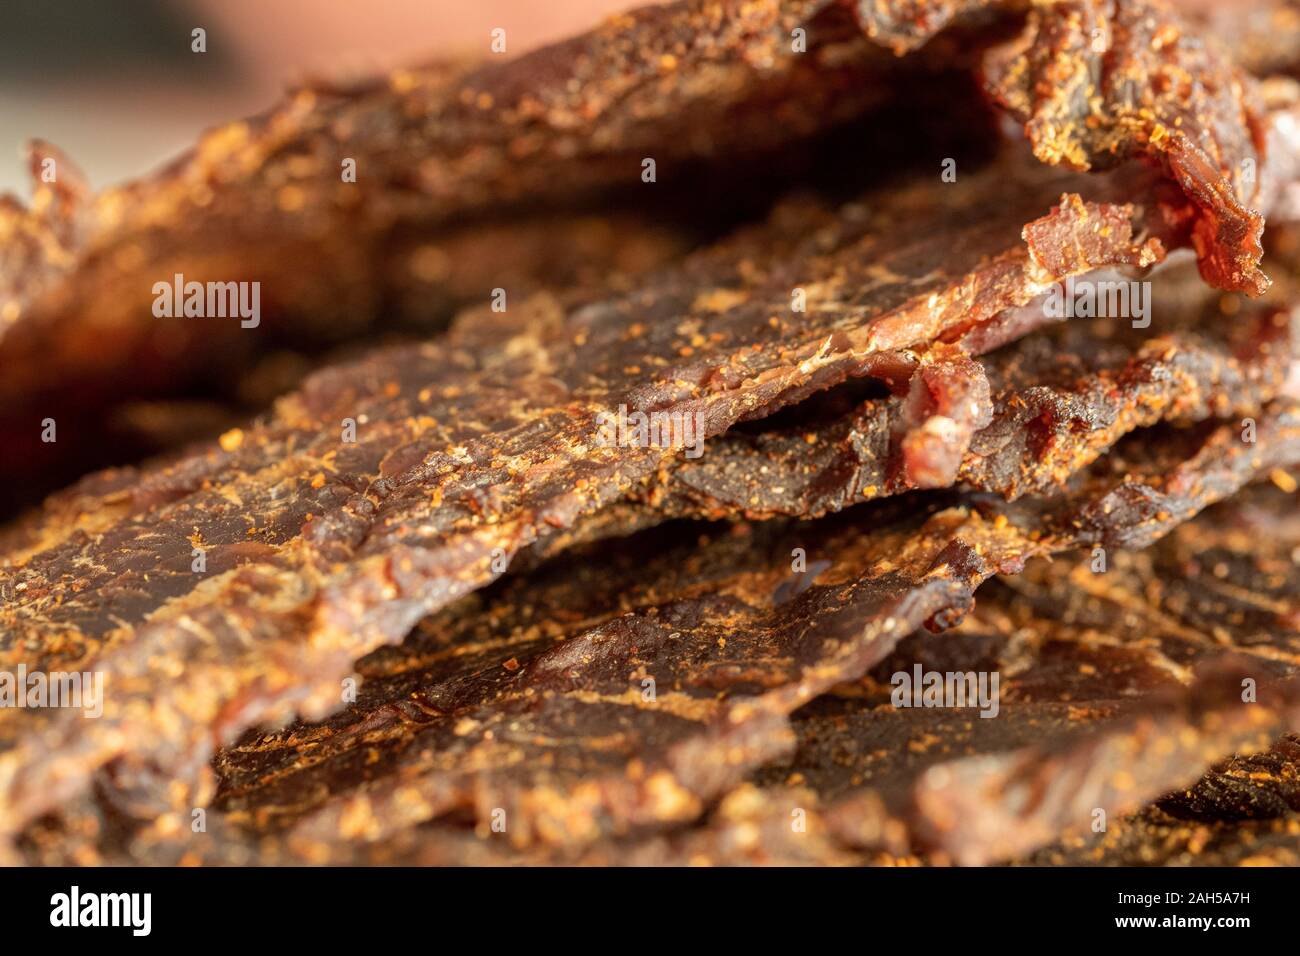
pixel 1228 579
pixel 97 369
pixel 434 145
pixel 972 791
pixel 1263 36
pixel 795 231
pixel 549 714
pixel 1179 731
pixel 1100 706
pixel 1245 787
pixel 580 746
pixel 1097 82
pixel 654 342
pixel 487 632
pixel 494 714
pixel 444 163
pixel 1076 650
pixel 786 824
pixel 1048 404
pixel 830 451
pixel 98 422
pixel 1020 420
pixel 682 82
pixel 1244 812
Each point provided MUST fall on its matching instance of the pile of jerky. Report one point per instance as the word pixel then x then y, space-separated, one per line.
pixel 994 374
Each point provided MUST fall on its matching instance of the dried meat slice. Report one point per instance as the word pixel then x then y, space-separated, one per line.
pixel 355 211
pixel 442 146
pixel 975 792
pixel 1117 685
pixel 666 678
pixel 648 348
pixel 1097 82
pixel 565 126
pixel 434 145
pixel 72 371
pixel 1020 420
pixel 1243 812
pixel 1119 681
pixel 579 747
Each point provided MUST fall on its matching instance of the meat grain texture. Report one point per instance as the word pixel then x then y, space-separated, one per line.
pixel 627 652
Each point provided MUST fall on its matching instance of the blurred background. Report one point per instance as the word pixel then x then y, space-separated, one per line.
pixel 114 83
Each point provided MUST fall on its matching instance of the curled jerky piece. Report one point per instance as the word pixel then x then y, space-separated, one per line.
pixel 1097 82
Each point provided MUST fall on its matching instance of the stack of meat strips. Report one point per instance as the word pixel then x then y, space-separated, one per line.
pixel 409 602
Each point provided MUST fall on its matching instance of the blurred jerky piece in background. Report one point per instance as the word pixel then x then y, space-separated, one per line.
pixel 1263 35
pixel 517 174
